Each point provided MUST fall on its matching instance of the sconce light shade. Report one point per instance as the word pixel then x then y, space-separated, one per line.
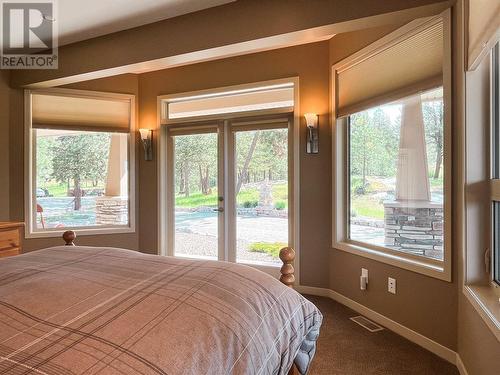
pixel 311 120
pixel 146 137
pixel 145 134
pixel 312 141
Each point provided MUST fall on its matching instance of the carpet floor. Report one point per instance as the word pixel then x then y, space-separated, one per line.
pixel 346 348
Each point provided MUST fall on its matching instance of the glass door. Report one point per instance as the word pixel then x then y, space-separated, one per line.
pixel 261 190
pixel 196 204
pixel 229 191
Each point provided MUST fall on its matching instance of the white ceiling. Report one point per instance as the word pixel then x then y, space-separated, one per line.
pixel 84 19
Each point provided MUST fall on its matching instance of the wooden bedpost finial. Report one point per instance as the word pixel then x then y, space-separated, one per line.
pixel 287 256
pixel 68 237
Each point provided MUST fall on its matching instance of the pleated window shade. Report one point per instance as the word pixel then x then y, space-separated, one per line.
pixel 401 65
pixel 281 97
pixel 483 29
pixel 51 111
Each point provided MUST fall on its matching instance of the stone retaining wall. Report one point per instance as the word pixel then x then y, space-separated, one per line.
pixel 417 230
pixel 260 211
pixel 367 222
pixel 111 210
pixel 253 211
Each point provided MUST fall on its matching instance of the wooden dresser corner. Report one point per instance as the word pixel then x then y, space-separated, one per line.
pixel 10 238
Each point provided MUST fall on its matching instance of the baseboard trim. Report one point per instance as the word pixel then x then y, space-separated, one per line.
pixel 409 334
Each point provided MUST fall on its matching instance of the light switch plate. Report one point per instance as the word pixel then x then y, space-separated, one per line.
pixel 364 272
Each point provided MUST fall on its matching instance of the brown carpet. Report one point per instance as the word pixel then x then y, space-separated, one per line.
pixel 345 348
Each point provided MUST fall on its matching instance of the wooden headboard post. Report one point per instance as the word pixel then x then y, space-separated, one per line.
pixel 287 256
pixel 68 237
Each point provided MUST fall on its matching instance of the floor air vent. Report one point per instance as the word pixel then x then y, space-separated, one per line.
pixel 366 323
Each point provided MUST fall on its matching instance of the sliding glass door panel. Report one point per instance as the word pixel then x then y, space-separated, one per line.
pixel 261 190
pixel 196 195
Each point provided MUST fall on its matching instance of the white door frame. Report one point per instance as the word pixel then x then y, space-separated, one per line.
pixel 294 158
pixel 241 125
pixel 212 127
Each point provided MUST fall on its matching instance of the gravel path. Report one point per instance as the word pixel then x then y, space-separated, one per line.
pixel 249 228
pixel 193 244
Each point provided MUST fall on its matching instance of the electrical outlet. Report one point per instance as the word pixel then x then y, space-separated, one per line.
pixel 391 285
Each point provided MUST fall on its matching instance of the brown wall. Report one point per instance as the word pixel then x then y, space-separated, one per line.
pixel 479 349
pixel 422 303
pixel 4 145
pixel 126 84
pixel 310 64
pixel 345 44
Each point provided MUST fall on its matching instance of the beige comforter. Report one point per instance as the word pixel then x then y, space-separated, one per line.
pixel 86 310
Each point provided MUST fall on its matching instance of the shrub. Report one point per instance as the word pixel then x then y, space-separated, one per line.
pixel 360 190
pixel 250 204
pixel 280 205
pixel 272 249
pixel 358 187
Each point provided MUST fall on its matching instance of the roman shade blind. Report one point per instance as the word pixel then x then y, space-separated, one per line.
pixel 407 60
pixel 80 112
pixel 279 96
pixel 483 29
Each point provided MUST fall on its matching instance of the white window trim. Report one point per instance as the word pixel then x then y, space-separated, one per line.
pixel 438 269
pixel 485 300
pixel 163 122
pixel 494 146
pixel 220 91
pixel 484 294
pixel 29 170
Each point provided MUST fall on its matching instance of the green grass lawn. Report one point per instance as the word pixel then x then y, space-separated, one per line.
pixel 368 206
pixel 197 199
pixel 56 190
pixel 272 248
pixel 280 194
pixel 363 205
pixel 61 190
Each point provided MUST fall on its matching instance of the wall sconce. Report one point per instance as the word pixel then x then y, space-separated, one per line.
pixel 312 141
pixel 147 142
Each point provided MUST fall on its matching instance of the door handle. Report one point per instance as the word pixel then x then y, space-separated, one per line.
pixel 219 209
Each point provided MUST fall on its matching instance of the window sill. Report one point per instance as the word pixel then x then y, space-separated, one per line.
pixel 485 299
pixel 432 269
pixel 80 232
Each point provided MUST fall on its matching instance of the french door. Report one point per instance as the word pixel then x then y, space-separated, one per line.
pixel 229 193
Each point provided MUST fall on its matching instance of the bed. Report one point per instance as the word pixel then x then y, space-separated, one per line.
pixel 93 310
